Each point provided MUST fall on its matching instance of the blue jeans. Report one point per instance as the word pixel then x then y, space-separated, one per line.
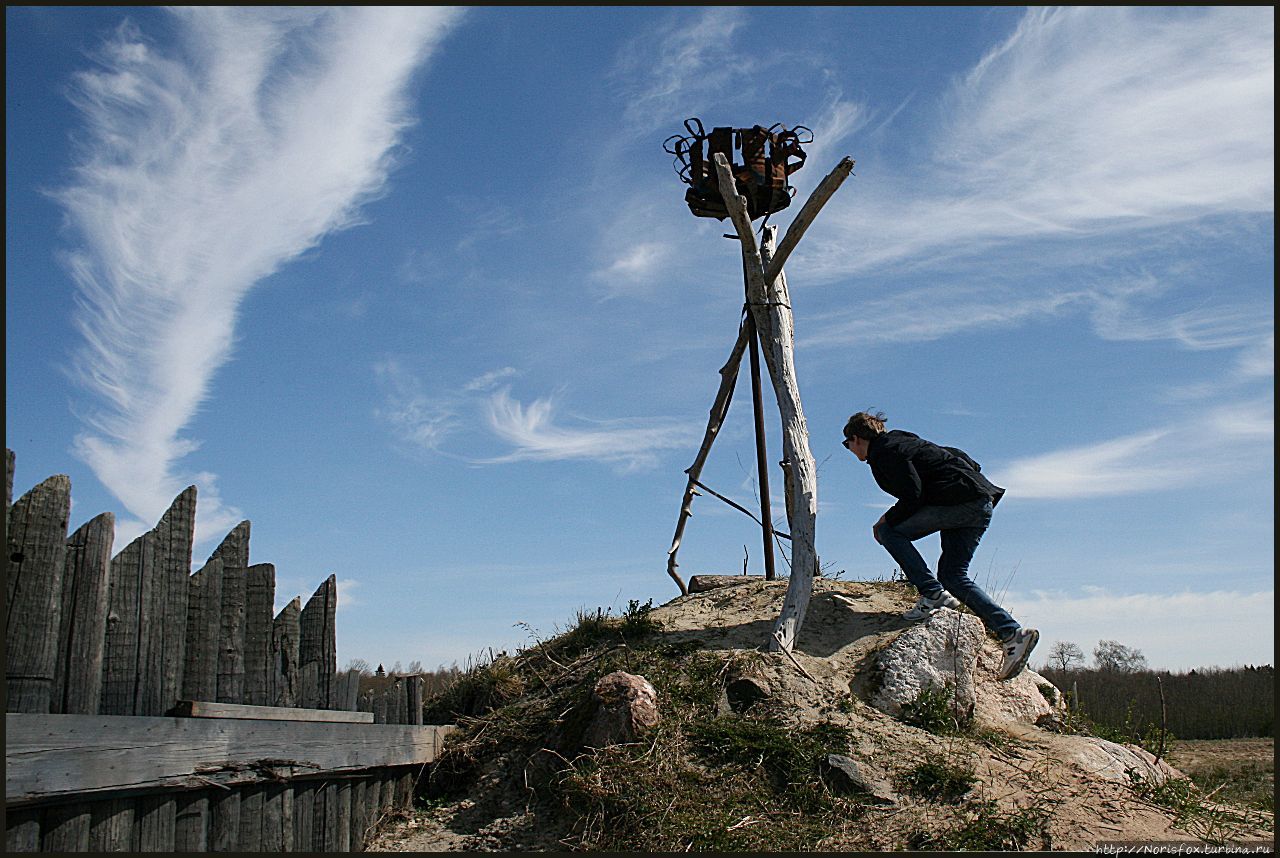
pixel 961 526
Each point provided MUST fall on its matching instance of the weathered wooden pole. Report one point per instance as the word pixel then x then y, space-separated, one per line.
pixel 719 408
pixel 801 471
pixel 770 305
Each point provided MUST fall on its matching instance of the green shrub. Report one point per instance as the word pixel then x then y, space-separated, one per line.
pixel 933 710
pixel 938 781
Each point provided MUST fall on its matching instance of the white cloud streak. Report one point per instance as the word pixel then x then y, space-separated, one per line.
pixel 534 433
pixel 681 69
pixel 1084 120
pixel 1219 441
pixel 199 175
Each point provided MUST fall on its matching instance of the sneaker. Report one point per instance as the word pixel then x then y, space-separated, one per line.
pixel 926 607
pixel 1017 650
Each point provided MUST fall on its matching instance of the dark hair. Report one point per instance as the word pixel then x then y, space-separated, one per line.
pixel 865 425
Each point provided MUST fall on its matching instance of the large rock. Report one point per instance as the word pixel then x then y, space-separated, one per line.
pixel 952 651
pixel 1114 761
pixel 844 776
pixel 625 706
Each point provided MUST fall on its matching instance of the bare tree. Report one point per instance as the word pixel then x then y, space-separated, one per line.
pixel 1065 655
pixel 1116 657
pixel 361 665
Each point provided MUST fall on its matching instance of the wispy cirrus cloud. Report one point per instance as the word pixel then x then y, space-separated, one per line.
pixel 535 435
pixel 202 171
pixel 1157 459
pixel 431 422
pixel 679 70
pixel 1086 121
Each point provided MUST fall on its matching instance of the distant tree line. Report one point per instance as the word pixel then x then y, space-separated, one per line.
pixel 1121 693
pixel 377 679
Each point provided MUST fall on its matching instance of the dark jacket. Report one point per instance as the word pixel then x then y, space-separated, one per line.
pixel 920 473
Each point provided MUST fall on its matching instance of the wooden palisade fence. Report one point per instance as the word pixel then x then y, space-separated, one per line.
pixel 151 709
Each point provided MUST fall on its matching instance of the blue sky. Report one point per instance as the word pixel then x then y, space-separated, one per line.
pixel 415 291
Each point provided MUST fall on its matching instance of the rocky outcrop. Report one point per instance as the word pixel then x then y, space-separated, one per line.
pixel 1115 762
pixel 951 652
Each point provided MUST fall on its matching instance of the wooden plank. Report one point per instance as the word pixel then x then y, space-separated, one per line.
pixel 166 638
pixel 276 820
pixel 111 826
pixel 65 828
pixel 224 821
pixel 128 619
pixel 260 596
pixel 415 700
pixel 82 629
pixel 404 788
pixel 347 696
pixel 36 538
pixel 231 636
pixel 49 756
pixel 318 651
pixel 251 808
pixel 285 637
pixel 304 800
pixel 155 823
pixel 204 618
pixel 338 816
pixel 203 709
pixel 320 817
pixel 359 813
pixel 388 786
pixel 22 831
pixel 233 551
pixel 191 822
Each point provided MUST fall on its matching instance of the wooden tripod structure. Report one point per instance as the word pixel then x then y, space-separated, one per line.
pixel 769 317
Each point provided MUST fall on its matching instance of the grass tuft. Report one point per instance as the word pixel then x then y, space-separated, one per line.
pixel 939 781
pixel 933 710
pixel 988 828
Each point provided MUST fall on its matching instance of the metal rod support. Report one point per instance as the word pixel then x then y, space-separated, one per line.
pixel 762 458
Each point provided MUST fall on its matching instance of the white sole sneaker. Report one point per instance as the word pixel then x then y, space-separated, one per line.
pixel 925 608
pixel 1017 652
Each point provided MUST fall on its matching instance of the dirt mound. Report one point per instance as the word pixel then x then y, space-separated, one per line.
pixel 959 760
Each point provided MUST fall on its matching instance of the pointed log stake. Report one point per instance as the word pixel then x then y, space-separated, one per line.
pixel 770 306
pixel 728 378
